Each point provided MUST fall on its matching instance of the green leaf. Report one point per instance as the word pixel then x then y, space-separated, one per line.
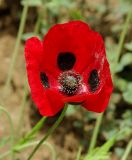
pixel 55 5
pixel 125 125
pixel 100 7
pixel 106 147
pixel 128 46
pixel 124 6
pixel 127 95
pixel 119 152
pixel 120 83
pixel 111 53
pixel 76 15
pixel 101 153
pixel 29 136
pixel 117 28
pixel 32 3
pixel 125 61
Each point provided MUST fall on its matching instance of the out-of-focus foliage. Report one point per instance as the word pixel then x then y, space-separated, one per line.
pixel 109 21
pixel 127 95
pixel 4 141
pixel 32 3
pixel 50 10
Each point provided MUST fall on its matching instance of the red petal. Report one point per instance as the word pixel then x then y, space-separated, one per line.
pixel 51 104
pixel 48 102
pixel 68 37
pixel 99 101
pixel 88 48
pixel 75 37
pixel 33 51
pixel 76 98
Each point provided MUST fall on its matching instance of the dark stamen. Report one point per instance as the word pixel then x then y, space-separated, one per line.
pixel 70 82
pixel 66 61
pixel 44 80
pixel 93 80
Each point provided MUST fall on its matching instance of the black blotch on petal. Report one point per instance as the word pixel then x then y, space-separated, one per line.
pixel 44 79
pixel 93 80
pixel 66 61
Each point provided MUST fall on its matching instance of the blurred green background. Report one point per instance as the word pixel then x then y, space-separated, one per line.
pixel 113 20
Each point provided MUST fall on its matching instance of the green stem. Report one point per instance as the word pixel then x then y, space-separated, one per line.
pixel 36 31
pixel 123 35
pixel 127 151
pixel 17 44
pixel 22 109
pixel 79 153
pixel 18 149
pixel 49 132
pixel 20 121
pixel 11 128
pixel 35 129
pixel 41 14
pixel 38 23
pixel 95 132
pixel 21 144
pixel 27 145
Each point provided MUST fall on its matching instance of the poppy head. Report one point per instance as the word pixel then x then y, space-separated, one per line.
pixel 68 66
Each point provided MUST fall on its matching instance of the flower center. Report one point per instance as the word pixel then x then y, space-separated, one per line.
pixel 70 82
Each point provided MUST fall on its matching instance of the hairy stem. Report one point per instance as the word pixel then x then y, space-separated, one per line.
pixel 25 91
pixel 17 44
pixel 79 153
pixel 30 144
pixel 37 24
pixel 12 131
pixel 122 36
pixel 95 132
pixel 127 151
pixel 41 14
pixel 32 133
pixel 49 132
pixel 22 109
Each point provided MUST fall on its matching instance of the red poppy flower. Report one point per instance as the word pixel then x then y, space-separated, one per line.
pixel 68 66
